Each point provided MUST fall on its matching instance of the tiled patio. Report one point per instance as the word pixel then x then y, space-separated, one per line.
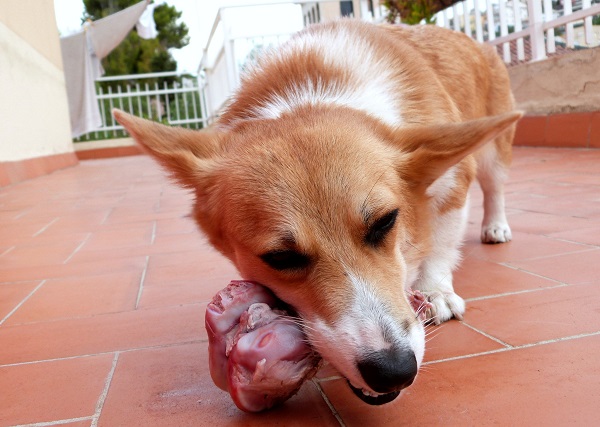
pixel 104 282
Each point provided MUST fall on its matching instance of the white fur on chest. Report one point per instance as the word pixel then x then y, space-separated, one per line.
pixel 371 88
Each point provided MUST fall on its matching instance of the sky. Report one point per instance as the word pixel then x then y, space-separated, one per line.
pixel 198 15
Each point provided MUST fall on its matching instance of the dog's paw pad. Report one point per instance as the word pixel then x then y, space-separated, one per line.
pixel 444 306
pixel 496 232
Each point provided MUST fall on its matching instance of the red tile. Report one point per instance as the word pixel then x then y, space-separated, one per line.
pixel 71 269
pixel 12 294
pixel 588 236
pixel 574 268
pixel 479 278
pixel 568 130
pixel 532 317
pixel 523 246
pixel 544 223
pixel 595 130
pixel 37 255
pixel 102 333
pixel 189 266
pixel 454 339
pixel 55 390
pixel 554 384
pixel 531 131
pixel 79 297
pixel 172 386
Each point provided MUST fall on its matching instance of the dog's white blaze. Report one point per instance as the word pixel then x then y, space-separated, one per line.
pixel 371 313
pixel 360 329
pixel 371 89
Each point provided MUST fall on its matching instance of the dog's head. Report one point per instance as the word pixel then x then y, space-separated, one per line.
pixel 328 209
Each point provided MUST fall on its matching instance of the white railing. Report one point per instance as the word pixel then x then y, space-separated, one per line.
pixel 169 97
pixel 232 46
pixel 526 30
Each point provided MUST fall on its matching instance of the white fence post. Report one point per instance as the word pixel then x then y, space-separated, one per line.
pixel 478 24
pixel 504 31
pixel 589 34
pixel 570 32
pixel 455 19
pixel 536 25
pixel 518 27
pixel 467 17
pixel 548 15
pixel 491 26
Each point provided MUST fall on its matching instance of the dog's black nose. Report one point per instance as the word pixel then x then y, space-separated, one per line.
pixel 388 370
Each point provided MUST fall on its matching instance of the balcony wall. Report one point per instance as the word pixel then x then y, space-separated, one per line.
pixel 35 132
pixel 562 84
pixel 561 97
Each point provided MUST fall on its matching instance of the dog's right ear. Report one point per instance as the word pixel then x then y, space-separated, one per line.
pixel 187 154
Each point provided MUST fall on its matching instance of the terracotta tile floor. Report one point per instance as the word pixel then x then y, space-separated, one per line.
pixel 104 282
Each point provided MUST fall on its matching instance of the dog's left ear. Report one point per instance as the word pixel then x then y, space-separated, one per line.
pixel 187 154
pixel 432 150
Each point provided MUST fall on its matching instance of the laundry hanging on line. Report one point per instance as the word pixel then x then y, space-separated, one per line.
pixel 82 53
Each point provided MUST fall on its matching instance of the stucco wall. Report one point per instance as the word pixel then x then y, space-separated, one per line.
pixel 33 101
pixel 562 84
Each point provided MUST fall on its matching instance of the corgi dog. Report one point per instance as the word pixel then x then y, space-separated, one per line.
pixel 338 175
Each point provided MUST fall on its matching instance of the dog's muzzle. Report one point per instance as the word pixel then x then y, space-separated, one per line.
pixel 386 372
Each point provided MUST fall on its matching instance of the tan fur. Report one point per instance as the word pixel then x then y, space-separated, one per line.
pixel 315 177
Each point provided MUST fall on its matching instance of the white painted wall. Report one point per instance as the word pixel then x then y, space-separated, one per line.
pixel 34 115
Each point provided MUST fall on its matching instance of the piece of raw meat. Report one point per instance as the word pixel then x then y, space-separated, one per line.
pixel 256 352
pixel 419 303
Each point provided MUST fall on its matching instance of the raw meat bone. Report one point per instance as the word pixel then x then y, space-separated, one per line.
pixel 255 352
pixel 419 303
pixel 269 361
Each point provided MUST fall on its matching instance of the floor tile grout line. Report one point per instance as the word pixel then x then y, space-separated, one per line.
pixel 7 251
pixel 328 403
pixel 22 302
pixel 153 237
pixel 141 286
pixel 104 353
pixel 104 394
pixel 585 248
pixel 56 422
pixel 563 239
pixel 514 267
pixel 108 213
pixel 45 227
pixel 523 291
pixel 485 334
pixel 78 248
pixel 22 214
pixel 516 347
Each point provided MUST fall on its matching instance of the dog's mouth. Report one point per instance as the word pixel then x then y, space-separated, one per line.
pixel 380 399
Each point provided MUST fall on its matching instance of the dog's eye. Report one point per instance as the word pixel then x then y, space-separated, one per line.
pixel 380 228
pixel 286 260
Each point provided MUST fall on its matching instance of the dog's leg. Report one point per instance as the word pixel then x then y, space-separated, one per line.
pixel 491 174
pixel 435 278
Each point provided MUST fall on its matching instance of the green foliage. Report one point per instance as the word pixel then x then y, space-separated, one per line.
pixel 411 11
pixel 136 55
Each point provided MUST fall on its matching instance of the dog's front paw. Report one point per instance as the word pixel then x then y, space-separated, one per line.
pixel 444 306
pixel 496 232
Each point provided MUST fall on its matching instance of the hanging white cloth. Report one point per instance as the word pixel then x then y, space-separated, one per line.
pixel 146 27
pixel 82 52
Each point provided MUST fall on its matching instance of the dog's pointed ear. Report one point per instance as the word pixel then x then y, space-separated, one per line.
pixel 432 150
pixel 185 153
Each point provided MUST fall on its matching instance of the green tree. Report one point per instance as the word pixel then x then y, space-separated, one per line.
pixel 414 11
pixel 136 55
